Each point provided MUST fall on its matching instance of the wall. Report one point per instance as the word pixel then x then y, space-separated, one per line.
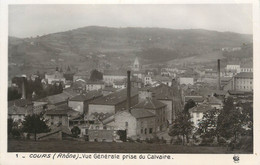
pixel 120 123
pixel 77 105
pixel 243 84
pixel 91 87
pixel 101 135
pixel 169 110
pixel 144 125
pixel 63 119
pixel 101 108
pixel 186 80
pixel 110 79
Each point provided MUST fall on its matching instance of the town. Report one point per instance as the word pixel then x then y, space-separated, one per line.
pixel 193 105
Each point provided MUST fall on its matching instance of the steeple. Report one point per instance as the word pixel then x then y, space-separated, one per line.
pixel 136 66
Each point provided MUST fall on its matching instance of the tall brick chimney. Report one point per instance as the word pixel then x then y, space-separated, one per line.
pixel 24 88
pixel 128 102
pixel 219 87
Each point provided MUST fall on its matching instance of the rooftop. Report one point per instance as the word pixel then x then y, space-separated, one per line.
pixel 115 98
pixel 141 113
pixel 87 96
pixel 201 108
pixel 150 103
pixel 114 73
pixel 244 75
pixel 194 98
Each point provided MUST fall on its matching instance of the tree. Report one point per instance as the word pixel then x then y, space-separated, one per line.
pixel 96 75
pixel 34 124
pixel 182 126
pixel 207 126
pixel 229 123
pixel 13 94
pixel 190 104
pixel 10 125
pixel 75 131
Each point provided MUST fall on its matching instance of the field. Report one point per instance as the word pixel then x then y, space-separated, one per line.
pixel 97 147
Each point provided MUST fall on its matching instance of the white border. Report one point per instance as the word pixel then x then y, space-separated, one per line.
pixel 201 159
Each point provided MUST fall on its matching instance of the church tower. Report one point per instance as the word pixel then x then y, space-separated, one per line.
pixel 136 66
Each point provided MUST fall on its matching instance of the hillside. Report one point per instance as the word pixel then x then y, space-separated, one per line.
pixel 82 47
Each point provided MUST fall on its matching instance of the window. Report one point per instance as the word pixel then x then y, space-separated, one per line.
pixel 51 123
pixel 145 131
pixel 198 115
pixel 150 130
pixel 142 131
pixel 104 127
pixel 126 124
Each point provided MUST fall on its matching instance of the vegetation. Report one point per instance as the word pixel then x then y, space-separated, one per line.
pixel 182 127
pixel 96 75
pixel 34 124
pixel 75 131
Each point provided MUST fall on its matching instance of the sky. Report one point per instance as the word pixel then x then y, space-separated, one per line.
pixel 33 20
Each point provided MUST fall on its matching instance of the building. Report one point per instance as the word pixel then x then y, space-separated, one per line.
pixel 147 80
pixel 81 75
pixel 243 81
pixel 110 76
pixel 136 65
pixel 157 108
pixel 138 123
pixel 233 67
pixel 197 112
pixel 55 77
pixel 18 109
pixel 59 115
pixel 162 79
pixel 94 85
pixel 197 99
pixel 186 80
pixel 113 102
pixel 80 102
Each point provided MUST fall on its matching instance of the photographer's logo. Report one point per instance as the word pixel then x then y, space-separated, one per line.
pixel 236 158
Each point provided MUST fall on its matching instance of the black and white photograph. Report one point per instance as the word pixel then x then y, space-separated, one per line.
pixel 130 78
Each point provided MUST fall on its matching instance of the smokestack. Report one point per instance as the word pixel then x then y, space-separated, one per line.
pixel 219 87
pixel 128 103
pixel 23 88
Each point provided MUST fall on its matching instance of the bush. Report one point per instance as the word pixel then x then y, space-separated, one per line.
pixel 16 133
pixel 138 140
pixel 130 140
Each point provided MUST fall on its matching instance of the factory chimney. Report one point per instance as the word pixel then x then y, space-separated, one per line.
pixel 128 103
pixel 24 88
pixel 219 87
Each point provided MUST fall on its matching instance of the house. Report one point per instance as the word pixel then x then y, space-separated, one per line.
pixel 80 102
pixel 163 79
pixel 157 108
pixel 165 94
pixel 186 80
pixel 55 77
pixel 119 84
pixel 79 85
pixel 18 109
pixel 94 85
pixel 243 81
pixel 147 80
pixel 108 90
pixel 113 102
pixel 197 99
pixel 138 123
pixel 81 75
pixel 234 67
pixel 214 102
pixel 110 76
pixel 59 115
pixel 196 113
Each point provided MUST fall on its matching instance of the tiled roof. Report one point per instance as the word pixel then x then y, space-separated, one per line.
pixel 150 103
pixel 141 113
pixel 56 112
pixel 244 75
pixel 20 103
pixel 114 98
pixel 194 98
pixel 201 108
pixel 95 82
pixel 62 110
pixel 86 96
pixel 14 110
pixel 214 100
pixel 115 73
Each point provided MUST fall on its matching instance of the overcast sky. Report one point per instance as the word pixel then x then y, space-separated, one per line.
pixel 32 20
